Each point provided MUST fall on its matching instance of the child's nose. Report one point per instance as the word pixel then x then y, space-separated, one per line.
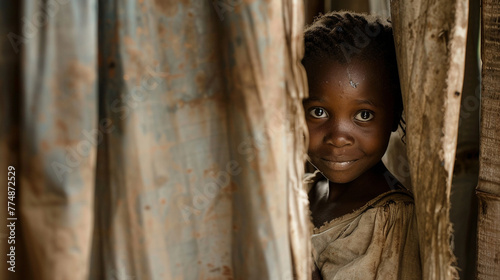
pixel 339 134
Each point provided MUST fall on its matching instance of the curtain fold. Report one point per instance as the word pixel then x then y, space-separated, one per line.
pixel 163 140
pixel 57 147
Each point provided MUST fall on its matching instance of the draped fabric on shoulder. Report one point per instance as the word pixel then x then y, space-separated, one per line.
pixel 160 139
pixel 376 241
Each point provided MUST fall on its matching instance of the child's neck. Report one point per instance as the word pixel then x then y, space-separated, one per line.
pixel 331 200
pixel 364 188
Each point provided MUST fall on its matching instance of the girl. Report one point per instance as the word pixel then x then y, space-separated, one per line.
pixel 364 219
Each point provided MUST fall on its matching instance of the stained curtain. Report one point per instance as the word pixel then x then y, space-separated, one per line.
pixel 154 139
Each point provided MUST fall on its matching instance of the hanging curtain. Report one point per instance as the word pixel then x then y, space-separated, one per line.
pixel 158 139
pixel 430 40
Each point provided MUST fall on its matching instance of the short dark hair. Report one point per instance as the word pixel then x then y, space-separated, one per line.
pixel 342 36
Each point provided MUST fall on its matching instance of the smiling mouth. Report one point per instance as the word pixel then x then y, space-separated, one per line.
pixel 339 165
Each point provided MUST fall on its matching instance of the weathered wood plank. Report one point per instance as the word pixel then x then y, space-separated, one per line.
pixel 488 265
pixel 430 39
pixel 488 257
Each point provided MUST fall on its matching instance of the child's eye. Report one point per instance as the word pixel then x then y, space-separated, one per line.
pixel 364 116
pixel 318 112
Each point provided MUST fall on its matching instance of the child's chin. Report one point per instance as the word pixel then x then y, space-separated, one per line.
pixel 339 179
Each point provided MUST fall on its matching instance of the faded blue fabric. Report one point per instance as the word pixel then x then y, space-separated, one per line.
pixel 160 139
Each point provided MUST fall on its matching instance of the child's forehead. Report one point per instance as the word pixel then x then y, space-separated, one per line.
pixel 359 61
pixel 358 79
pixel 354 72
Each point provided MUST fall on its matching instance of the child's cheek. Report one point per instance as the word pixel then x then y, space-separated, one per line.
pixel 314 138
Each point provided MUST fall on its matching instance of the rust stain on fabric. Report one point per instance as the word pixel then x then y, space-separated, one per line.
pixel 45 146
pixel 79 74
pixel 161 180
pixel 168 7
pixel 226 271
pixel 211 171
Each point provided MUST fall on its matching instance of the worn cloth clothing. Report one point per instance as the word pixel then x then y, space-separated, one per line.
pixel 376 241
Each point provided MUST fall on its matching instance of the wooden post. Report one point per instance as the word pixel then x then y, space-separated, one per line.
pixel 488 190
pixel 430 40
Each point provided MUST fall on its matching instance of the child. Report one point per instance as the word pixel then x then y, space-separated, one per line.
pixel 364 222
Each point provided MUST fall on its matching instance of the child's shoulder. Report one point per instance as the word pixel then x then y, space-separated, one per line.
pixel 395 195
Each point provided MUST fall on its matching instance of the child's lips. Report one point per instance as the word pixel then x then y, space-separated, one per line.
pixel 338 164
pixel 339 158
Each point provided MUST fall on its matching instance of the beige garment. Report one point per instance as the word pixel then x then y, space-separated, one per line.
pixel 377 241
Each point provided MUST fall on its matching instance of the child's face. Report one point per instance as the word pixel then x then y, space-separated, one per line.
pixel 350 115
